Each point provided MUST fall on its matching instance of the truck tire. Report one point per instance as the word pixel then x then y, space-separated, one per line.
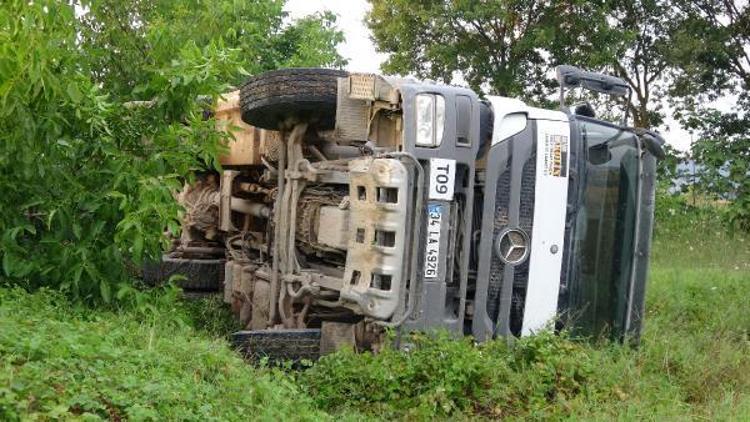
pixel 278 346
pixel 270 99
pixel 204 275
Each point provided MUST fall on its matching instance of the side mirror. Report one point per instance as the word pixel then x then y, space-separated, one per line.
pixel 654 144
pixel 574 77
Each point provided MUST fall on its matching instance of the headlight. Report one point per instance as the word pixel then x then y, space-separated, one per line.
pixel 430 119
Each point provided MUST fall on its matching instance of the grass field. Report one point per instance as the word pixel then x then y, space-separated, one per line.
pixel 166 359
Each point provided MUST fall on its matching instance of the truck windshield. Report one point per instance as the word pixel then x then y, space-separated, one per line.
pixel 605 230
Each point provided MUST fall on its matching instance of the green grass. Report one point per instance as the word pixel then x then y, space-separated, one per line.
pixel 168 360
pixel 693 363
pixel 61 361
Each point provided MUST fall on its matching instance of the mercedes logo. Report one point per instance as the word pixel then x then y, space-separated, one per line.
pixel 512 246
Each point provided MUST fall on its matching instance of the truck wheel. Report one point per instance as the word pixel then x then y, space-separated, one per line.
pixel 205 275
pixel 270 99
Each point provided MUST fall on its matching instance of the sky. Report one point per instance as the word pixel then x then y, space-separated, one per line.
pixel 358 47
pixel 360 50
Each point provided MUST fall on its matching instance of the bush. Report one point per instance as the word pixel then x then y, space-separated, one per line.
pixel 88 176
pixel 88 183
pixel 443 376
pixel 724 152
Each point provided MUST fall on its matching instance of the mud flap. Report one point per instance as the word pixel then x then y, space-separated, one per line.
pixel 205 275
pixel 336 336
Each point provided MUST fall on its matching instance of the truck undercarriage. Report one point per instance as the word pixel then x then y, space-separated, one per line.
pixel 350 203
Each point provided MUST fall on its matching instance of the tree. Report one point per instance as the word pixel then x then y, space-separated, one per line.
pixel 88 183
pixel 715 57
pixel 723 150
pixel 125 37
pixel 715 64
pixel 500 47
pixel 645 51
pixel 511 47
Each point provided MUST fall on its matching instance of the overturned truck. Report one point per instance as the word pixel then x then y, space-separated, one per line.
pixel 350 203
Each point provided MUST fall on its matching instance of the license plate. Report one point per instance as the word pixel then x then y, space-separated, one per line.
pixel 432 248
pixel 442 178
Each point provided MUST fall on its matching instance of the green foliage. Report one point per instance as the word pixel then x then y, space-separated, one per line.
pixel 88 178
pixel 692 363
pixel 667 169
pixel 437 376
pixel 59 361
pixel 691 232
pixel 674 212
pixel 312 40
pixel 711 51
pixel 713 63
pixel 723 151
pixel 508 47
pixel 645 52
pixel 125 36
pixel 211 316
pixel 442 376
pixel 145 361
pixel 87 187
pixel 88 183
pixel 661 48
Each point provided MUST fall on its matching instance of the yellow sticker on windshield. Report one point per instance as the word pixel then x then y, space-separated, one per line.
pixel 556 155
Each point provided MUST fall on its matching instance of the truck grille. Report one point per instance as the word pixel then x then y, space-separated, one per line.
pixel 526 220
pixel 525 212
pixel 497 267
